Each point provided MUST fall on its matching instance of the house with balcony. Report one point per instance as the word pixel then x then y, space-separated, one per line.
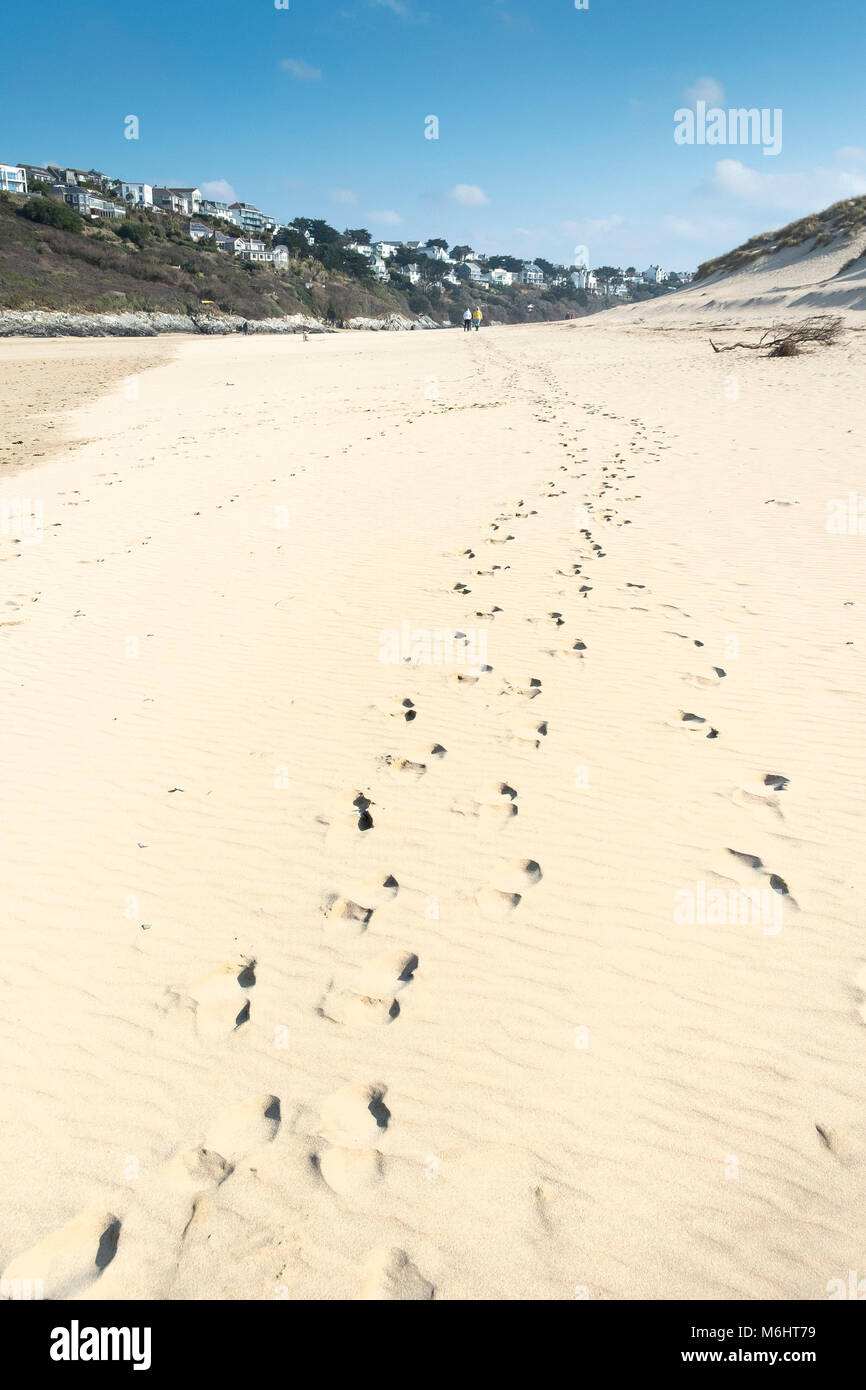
pixel 385 249
pixel 169 201
pixel 498 277
pixel 191 198
pixel 468 270
pixel 251 219
pixel 37 174
pixel 197 231
pixel 13 178
pixel 86 203
pixel 210 208
pixel 531 274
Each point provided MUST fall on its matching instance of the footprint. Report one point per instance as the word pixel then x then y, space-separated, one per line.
pixel 361 904
pixel 496 906
pixel 221 997
pixel 777 782
pixel 338 908
pixel 530 689
pixel 349 1171
pixel 531 733
pixel 777 884
pixel 66 1262
pixel 402 709
pixel 388 1275
pixel 153 1231
pixel 350 810
pixel 386 974
pixel 357 1010
pixel 418 761
pixel 513 880
pixel 355 1117
pixel 695 722
pixel 244 1128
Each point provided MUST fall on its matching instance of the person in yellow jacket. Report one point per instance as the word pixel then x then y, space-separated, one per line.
pixel 476 319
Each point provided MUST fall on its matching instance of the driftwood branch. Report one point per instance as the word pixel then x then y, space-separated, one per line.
pixel 822 329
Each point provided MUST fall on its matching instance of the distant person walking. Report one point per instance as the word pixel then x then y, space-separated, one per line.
pixel 476 319
pixel 467 321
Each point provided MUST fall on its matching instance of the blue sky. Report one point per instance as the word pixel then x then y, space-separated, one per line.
pixel 555 124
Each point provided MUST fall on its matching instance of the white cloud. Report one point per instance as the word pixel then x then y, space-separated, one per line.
pixel 851 154
pixel 469 195
pixel 304 72
pixel 682 228
pixel 593 227
pixel 706 89
pixel 387 218
pixel 342 195
pixel 220 191
pixel 799 193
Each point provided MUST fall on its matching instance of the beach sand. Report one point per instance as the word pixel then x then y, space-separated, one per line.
pixel 333 977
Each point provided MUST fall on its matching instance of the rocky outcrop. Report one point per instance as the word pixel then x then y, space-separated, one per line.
pixel 391 323
pixel 43 323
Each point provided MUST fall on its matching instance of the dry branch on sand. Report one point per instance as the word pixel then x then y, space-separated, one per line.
pixel 787 339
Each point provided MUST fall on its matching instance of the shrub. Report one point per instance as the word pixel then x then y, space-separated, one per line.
pixel 136 232
pixel 51 213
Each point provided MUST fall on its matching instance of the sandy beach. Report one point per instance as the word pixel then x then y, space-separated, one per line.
pixel 432 773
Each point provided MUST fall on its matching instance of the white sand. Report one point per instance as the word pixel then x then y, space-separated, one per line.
pixel 437 1088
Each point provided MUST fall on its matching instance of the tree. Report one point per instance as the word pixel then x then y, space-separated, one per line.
pixel 550 270
pixel 437 241
pixel 505 263
pixel 322 232
pixel 460 253
pixel 608 275
pixel 631 272
pixel 432 271
pixel 295 241
pixel 360 235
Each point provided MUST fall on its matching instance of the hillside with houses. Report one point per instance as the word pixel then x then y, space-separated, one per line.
pixel 80 239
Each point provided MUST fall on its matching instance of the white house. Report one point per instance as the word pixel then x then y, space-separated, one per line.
pixel 499 277
pixel 531 274
pixel 469 270
pixel 210 208
pixel 191 196
pixel 385 249
pixel 13 178
pixel 412 273
pixel 139 194
pixel 362 249
pixel 380 269
pixel 435 253
pixel 655 275
pixel 197 231
pixel 281 257
pixel 169 201
pixel 584 279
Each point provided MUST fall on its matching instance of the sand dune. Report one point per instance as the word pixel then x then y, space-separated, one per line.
pixel 522 963
pixel 788 285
